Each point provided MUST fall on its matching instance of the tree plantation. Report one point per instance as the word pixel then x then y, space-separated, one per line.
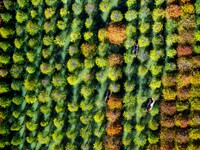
pixel 100 74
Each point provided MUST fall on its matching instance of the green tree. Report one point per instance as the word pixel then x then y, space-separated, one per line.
pixel 64 12
pixel 73 64
pixel 46 68
pixel 58 80
pixel 85 132
pixel 31 126
pixel 73 107
pixel 152 138
pixel 44 96
pixel 130 30
pixel 114 74
pixel 104 6
pixel 18 42
pixel 87 91
pixel 34 14
pixel 21 16
pixel 22 3
pixel 48 26
pixel 4 87
pixel 43 137
pixel 18 57
pixel 30 84
pixel 30 69
pixel 130 3
pixel 74 36
pixel 16 126
pixel 17 100
pixel 45 109
pixel 6 32
pixel 89 22
pixel 58 95
pixel 16 140
pixel 60 40
pixel 6 17
pixel 31 55
pixel 49 12
pixel 16 113
pixel 51 2
pixel 116 16
pixel 30 139
pixel 20 30
pixel 32 28
pixel 3 73
pixel 88 50
pixel 90 8
pixel 30 98
pixel 58 122
pixel 4 59
pixel 57 136
pixel 99 117
pixel 143 41
pixel 5 102
pixel 77 8
pixel 4 46
pixel 131 15
pixel 61 24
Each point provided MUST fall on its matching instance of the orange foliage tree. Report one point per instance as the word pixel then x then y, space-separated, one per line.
pixel 173 11
pixel 113 129
pixel 184 50
pixel 114 102
pixel 115 59
pixel 113 115
pixel 116 33
pixel 111 143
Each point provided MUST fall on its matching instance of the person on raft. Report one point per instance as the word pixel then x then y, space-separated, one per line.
pixel 150 104
pixel 135 49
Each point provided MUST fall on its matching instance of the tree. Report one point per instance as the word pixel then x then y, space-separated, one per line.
pixel 158 13
pixel 30 98
pixel 143 41
pixel 16 140
pixel 113 116
pixel 98 145
pixel 18 57
pixel 61 24
pixel 90 8
pixel 6 17
pixel 21 16
pixel 32 28
pixel 58 80
pixel 58 122
pixel 30 84
pixel 31 126
pixel 115 59
pixel 144 28
pixel 46 68
pixel 4 59
pixel 112 143
pixel 116 16
pixel 6 32
pixel 31 56
pixel 114 74
pixel 140 140
pixel 87 91
pixel 131 15
pixel 49 12
pixel 77 8
pixel 114 87
pixel 17 100
pixel 99 117
pixel 58 95
pixel 73 107
pixel 57 136
pixel 88 50
pixel 168 107
pixel 114 102
pixel 116 33
pixel 73 64
pixel 18 43
pixel 104 6
pixel 48 26
pixel 43 137
pixel 51 2
pixel 4 87
pixel 60 40
pixel 45 109
pixel 44 96
pixel 173 11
